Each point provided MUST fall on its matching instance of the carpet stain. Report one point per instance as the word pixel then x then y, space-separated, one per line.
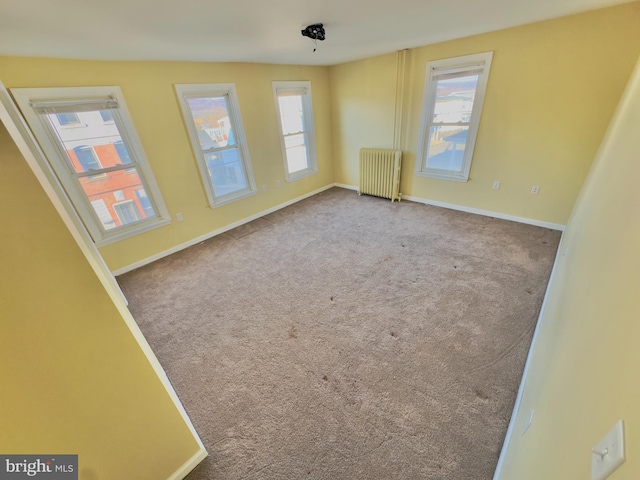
pixel 480 394
pixel 394 334
pixel 325 378
pixel 293 333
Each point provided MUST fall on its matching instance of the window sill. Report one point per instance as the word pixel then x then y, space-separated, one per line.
pixel 138 229
pixel 443 176
pixel 299 175
pixel 226 200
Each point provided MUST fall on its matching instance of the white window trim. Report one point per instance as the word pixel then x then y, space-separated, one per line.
pixel 58 166
pixel 185 91
pixel 304 89
pixel 479 60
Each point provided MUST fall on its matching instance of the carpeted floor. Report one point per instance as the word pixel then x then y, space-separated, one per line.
pixel 347 337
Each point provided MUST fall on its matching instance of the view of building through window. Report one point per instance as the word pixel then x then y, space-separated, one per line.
pixel 450 123
pixel 99 160
pixel 218 142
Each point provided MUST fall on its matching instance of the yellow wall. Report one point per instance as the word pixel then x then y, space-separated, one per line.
pixel 552 90
pixel 148 90
pixel 363 106
pixel 584 370
pixel 73 379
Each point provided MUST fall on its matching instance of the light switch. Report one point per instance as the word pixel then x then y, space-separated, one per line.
pixel 608 454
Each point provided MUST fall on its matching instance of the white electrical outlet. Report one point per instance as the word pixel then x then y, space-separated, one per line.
pixel 608 454
pixel 534 190
pixel 179 217
pixel 496 184
pixel 264 188
pixel 278 183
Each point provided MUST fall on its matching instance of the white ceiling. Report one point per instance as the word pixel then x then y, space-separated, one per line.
pixel 266 31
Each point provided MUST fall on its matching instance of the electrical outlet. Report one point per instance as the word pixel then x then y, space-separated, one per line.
pixel 179 217
pixel 608 454
pixel 264 188
pixel 496 184
pixel 278 183
pixel 534 190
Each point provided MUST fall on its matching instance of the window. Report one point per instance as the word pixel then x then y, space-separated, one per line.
pixel 212 115
pixel 293 106
pixel 454 93
pixel 100 164
pixel 66 119
pixel 122 152
pixel 106 115
pixel 86 157
pixel 127 212
pixel 145 203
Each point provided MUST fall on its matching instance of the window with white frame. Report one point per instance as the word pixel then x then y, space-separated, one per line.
pixel 212 115
pixel 68 119
pixel 100 164
pixel 453 98
pixel 295 123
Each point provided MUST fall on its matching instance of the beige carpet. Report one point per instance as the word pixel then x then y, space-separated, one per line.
pixel 347 337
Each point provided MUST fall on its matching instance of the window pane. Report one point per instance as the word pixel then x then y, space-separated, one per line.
pixel 211 118
pixel 446 147
pixel 122 152
pixel 291 115
pixel 226 171
pixel 296 148
pixel 103 213
pixel 127 212
pixel 122 187
pixel 454 99
pixel 87 159
pixel 145 203
pixel 107 115
pixel 94 137
pixel 67 118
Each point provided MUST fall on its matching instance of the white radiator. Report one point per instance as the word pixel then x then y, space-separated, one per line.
pixel 380 173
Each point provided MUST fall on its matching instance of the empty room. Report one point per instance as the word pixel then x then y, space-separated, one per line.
pixel 324 241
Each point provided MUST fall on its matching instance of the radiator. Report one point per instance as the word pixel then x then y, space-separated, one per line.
pixel 380 173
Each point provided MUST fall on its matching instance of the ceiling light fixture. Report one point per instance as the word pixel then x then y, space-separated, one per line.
pixel 315 32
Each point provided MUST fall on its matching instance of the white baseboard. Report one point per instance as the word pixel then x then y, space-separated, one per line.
pixel 344 185
pixel 487 213
pixel 477 211
pixel 226 228
pixel 218 231
pixel 189 465
pixel 527 366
